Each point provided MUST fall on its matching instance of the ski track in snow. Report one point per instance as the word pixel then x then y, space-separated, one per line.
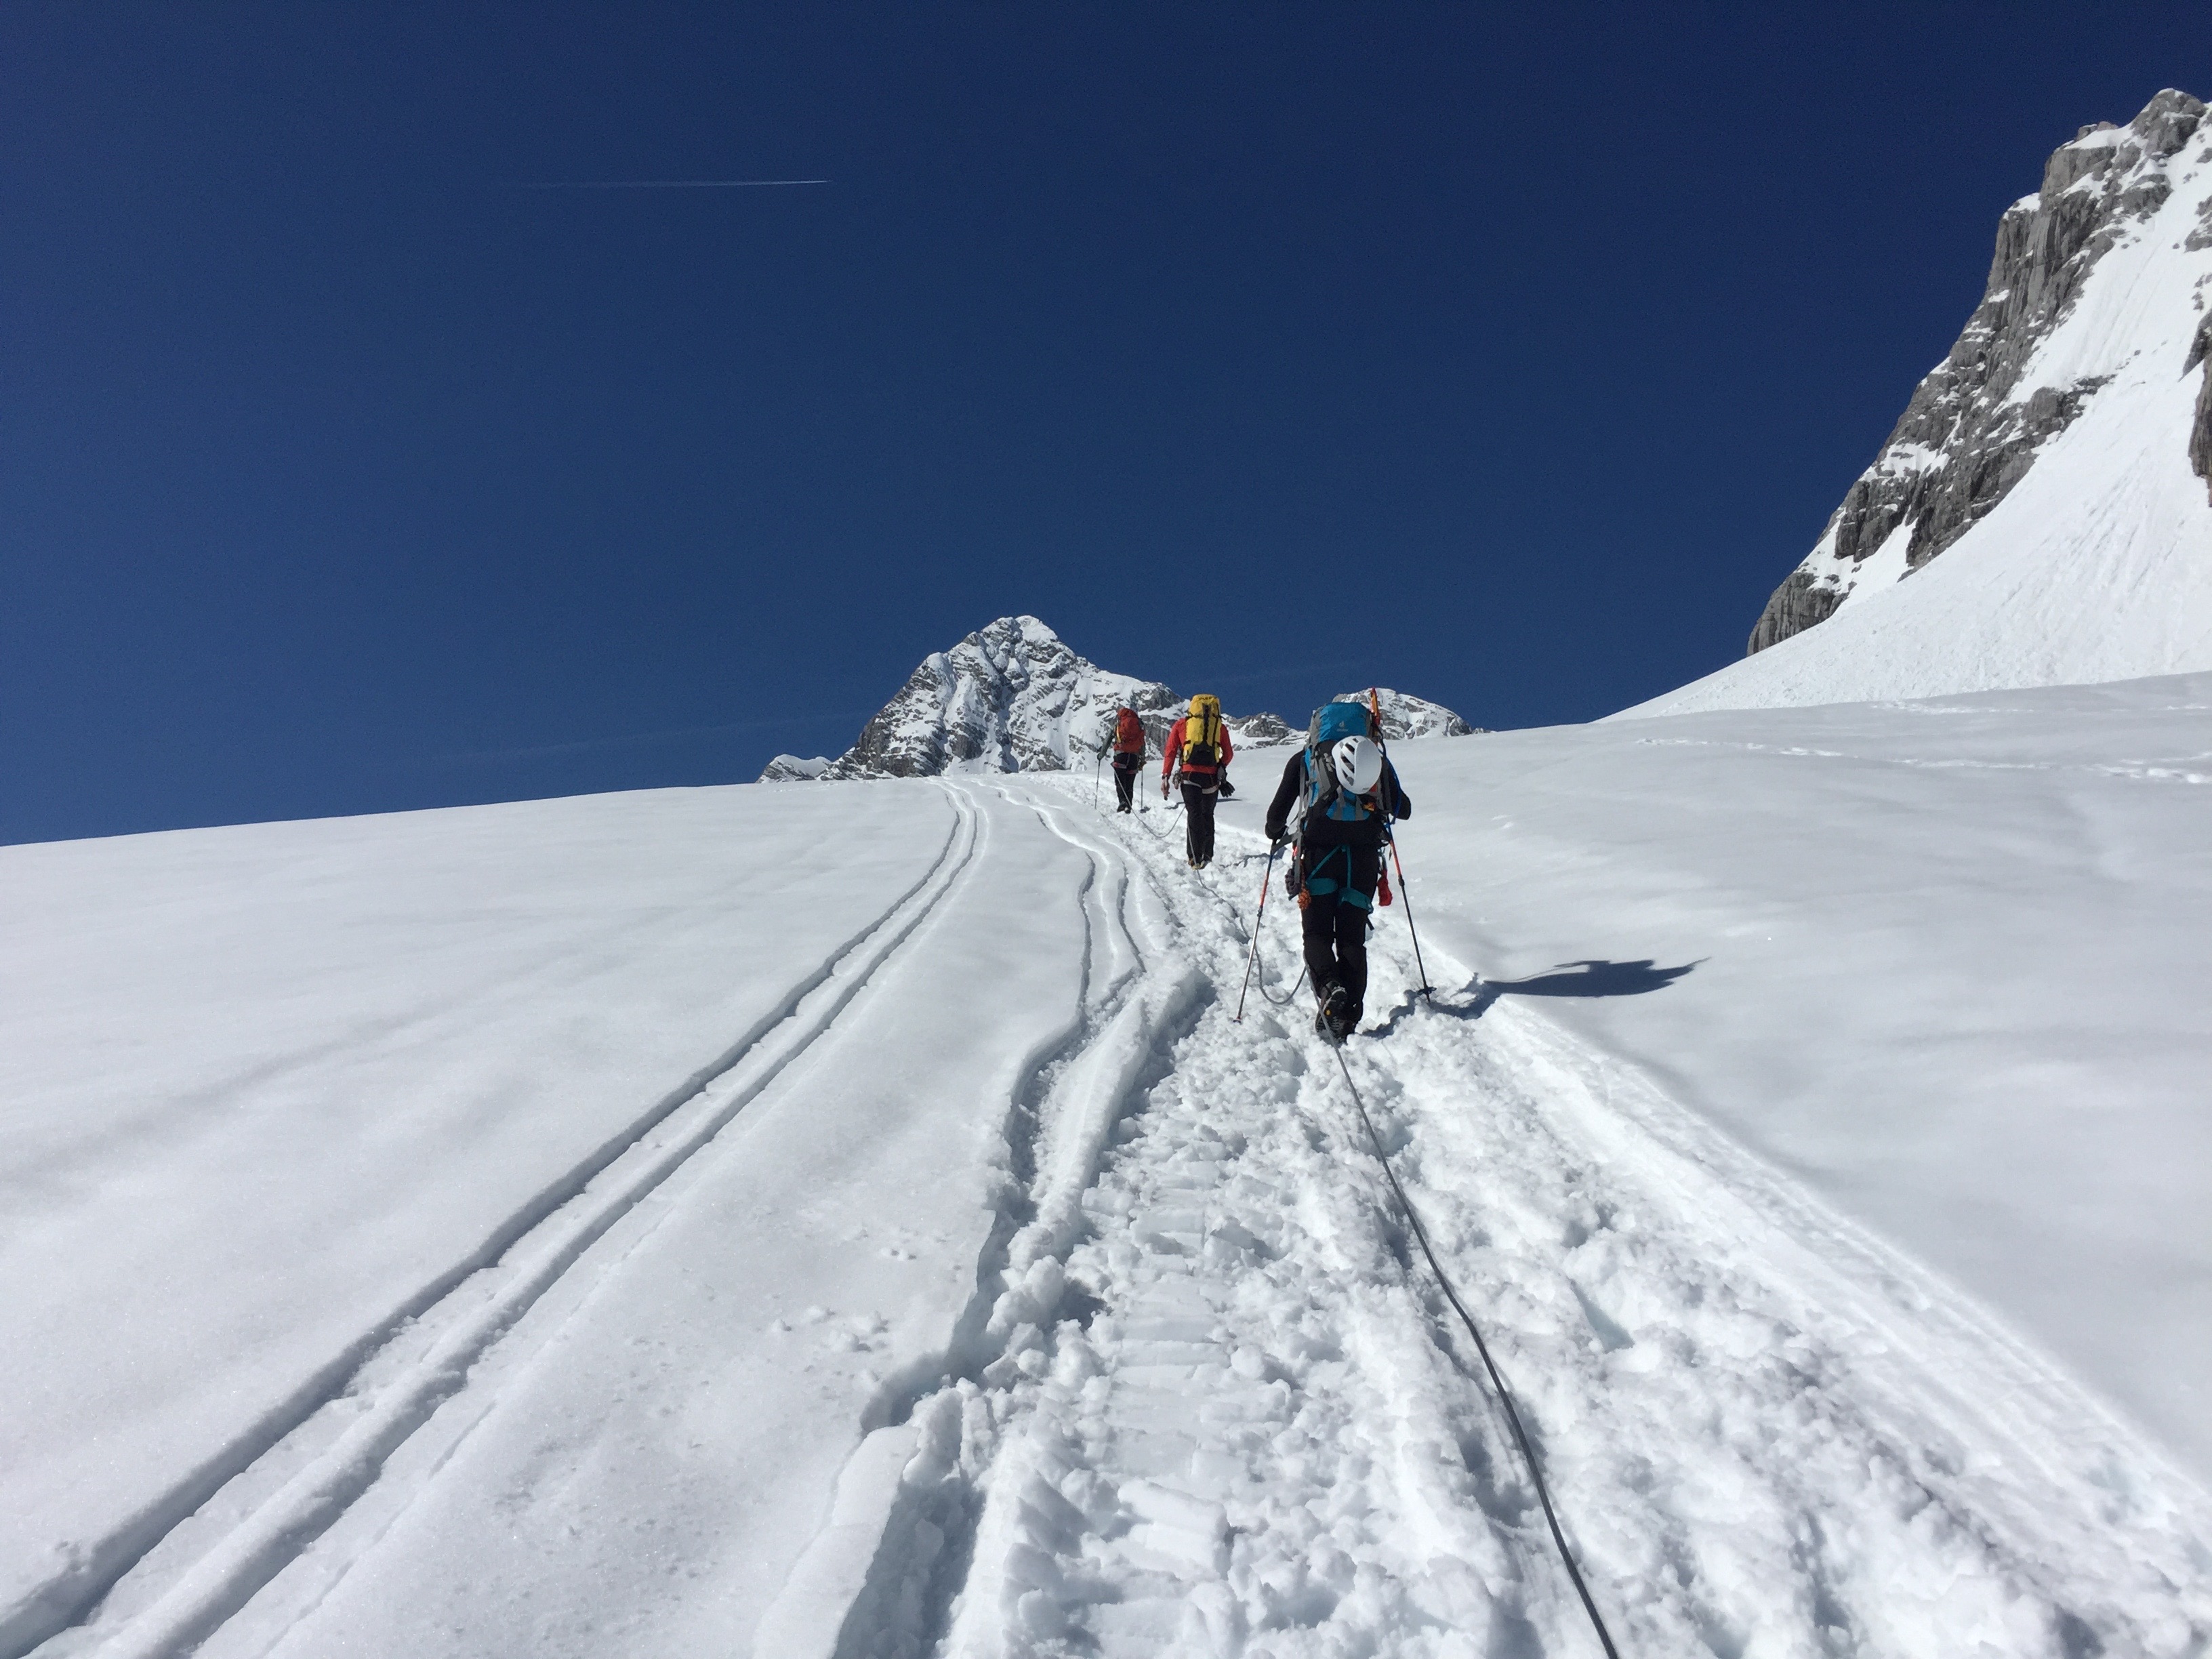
pixel 305 1471
pixel 1208 1400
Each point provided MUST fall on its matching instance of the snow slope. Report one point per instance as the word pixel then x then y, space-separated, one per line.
pixel 1942 961
pixel 2075 402
pixel 853 1221
pixel 273 1093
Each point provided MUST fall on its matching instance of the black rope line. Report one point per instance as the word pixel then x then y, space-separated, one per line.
pixel 1260 972
pixel 1497 1382
pixel 1140 813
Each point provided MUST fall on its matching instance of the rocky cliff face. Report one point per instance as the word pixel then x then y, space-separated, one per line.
pixel 2200 434
pixel 1013 698
pixel 2067 309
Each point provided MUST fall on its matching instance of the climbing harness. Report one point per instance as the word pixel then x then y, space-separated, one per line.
pixel 1496 1383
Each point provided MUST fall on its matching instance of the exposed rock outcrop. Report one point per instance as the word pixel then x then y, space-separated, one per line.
pixel 1257 730
pixel 1977 423
pixel 2200 434
pixel 793 768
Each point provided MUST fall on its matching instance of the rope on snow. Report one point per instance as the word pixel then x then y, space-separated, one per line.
pixel 1497 1382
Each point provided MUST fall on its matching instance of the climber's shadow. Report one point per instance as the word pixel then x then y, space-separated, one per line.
pixel 1591 978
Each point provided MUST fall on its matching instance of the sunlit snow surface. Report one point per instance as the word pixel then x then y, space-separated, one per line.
pixel 550 1228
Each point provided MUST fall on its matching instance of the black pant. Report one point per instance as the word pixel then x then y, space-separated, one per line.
pixel 1125 768
pixel 1197 830
pixel 1335 927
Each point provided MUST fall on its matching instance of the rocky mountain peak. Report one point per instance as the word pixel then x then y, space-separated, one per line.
pixel 1408 716
pixel 2117 207
pixel 1012 696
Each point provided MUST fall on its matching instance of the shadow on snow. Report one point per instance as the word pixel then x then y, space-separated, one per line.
pixel 1590 978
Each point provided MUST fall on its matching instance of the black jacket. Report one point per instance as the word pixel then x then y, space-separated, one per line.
pixel 1324 830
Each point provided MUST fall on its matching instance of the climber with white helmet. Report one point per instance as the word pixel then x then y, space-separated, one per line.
pixel 1348 794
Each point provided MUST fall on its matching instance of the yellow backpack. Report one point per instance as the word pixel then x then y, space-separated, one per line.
pixel 1201 735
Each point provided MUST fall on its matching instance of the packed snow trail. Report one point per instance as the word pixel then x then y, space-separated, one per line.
pixel 1255 1431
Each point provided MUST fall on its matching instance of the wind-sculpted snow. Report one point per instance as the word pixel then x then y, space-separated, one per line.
pixel 2058 460
pixel 985 1287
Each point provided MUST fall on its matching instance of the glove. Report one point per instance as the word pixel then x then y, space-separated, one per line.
pixel 1276 843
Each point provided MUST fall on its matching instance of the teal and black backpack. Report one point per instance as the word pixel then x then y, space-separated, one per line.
pixel 1331 721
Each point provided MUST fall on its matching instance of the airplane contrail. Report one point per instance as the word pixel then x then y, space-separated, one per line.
pixel 666 184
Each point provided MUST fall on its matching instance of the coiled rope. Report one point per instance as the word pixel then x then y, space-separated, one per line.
pixel 1497 1382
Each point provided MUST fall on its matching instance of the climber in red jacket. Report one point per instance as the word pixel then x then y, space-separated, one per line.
pixel 1129 757
pixel 1199 749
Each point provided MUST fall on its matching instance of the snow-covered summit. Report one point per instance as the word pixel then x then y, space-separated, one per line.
pixel 2057 460
pixel 1011 697
pixel 1014 697
pixel 1404 715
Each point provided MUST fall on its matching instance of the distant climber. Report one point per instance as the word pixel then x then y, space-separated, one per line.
pixel 1347 794
pixel 1129 757
pixel 1198 748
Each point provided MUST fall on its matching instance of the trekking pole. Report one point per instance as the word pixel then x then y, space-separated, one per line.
pixel 1096 803
pixel 1404 893
pixel 1389 835
pixel 1252 951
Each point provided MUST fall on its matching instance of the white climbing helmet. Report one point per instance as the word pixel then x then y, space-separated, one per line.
pixel 1358 764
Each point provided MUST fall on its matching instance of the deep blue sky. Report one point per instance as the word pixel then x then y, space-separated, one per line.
pixel 1507 355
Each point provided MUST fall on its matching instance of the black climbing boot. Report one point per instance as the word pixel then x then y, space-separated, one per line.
pixel 1330 1019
